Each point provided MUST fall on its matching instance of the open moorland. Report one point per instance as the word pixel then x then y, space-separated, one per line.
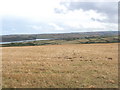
pixel 61 66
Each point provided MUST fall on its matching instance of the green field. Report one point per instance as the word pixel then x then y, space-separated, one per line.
pixel 85 40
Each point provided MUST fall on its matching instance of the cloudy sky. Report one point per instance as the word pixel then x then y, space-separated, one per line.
pixel 57 16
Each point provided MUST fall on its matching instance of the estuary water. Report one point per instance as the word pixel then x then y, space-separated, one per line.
pixel 23 41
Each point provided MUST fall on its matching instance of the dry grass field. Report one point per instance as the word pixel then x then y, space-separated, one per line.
pixel 61 66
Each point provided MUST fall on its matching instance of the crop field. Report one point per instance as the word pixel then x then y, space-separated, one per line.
pixel 61 66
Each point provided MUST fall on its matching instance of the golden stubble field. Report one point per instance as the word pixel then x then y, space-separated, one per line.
pixel 61 66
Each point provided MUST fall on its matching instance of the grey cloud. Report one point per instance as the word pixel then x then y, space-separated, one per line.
pixel 57 10
pixel 108 8
pixel 93 19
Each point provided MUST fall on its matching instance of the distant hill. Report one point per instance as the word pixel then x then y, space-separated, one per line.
pixel 60 36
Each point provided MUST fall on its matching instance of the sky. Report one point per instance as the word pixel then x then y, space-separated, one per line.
pixel 57 16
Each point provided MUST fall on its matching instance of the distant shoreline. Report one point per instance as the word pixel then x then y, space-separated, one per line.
pixel 22 41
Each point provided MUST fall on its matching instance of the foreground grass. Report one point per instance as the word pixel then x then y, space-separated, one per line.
pixel 61 66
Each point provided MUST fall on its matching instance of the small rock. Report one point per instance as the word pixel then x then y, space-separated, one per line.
pixel 91 86
pixel 111 81
pixel 76 81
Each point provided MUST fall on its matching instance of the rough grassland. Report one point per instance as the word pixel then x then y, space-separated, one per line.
pixel 61 66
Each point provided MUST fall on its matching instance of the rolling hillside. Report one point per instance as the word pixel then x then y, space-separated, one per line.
pixel 9 38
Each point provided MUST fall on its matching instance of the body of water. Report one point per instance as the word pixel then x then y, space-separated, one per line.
pixel 23 41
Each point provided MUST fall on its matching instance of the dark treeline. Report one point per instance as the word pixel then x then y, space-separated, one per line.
pixel 62 36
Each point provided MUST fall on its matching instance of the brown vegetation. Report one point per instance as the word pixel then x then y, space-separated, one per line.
pixel 61 66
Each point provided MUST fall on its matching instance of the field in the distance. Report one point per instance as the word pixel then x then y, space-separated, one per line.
pixel 61 66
